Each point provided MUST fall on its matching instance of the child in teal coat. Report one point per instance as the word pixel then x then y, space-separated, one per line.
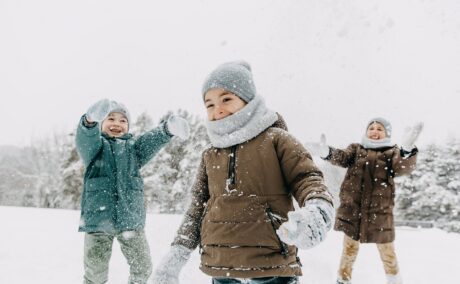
pixel 112 204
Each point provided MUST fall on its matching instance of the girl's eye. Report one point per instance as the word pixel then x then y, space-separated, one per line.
pixel 123 121
pixel 111 119
pixel 209 106
pixel 226 99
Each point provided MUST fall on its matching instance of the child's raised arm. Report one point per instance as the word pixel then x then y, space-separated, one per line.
pixel 88 138
pixel 148 144
pixel 404 161
pixel 343 158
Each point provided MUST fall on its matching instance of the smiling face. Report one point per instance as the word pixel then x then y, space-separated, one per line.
pixel 376 131
pixel 221 103
pixel 115 125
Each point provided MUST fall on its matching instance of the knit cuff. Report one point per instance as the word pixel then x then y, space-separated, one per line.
pixel 165 128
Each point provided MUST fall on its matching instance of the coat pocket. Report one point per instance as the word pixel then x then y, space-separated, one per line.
pixel 131 207
pixel 135 192
pixel 276 222
pixel 237 221
pixel 98 202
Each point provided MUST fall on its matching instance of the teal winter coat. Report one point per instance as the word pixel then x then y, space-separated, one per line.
pixel 113 193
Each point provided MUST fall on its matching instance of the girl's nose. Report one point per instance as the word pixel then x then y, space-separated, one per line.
pixel 218 110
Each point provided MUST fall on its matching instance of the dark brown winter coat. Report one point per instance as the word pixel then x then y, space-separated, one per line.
pixel 367 193
pixel 241 203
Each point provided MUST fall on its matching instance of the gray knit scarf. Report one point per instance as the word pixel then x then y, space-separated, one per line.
pixel 241 126
pixel 375 144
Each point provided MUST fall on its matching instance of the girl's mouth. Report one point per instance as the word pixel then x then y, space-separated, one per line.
pixel 115 130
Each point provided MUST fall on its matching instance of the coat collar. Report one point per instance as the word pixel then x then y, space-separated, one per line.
pixel 241 126
pixel 124 137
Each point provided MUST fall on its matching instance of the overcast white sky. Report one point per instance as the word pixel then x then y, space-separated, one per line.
pixel 325 65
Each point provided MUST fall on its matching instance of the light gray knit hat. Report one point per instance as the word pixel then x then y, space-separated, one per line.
pixel 384 122
pixel 121 108
pixel 235 77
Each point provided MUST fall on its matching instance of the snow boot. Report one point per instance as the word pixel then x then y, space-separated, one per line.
pixel 341 281
pixel 394 279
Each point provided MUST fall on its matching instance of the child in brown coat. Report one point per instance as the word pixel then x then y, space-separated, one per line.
pixel 242 214
pixel 367 193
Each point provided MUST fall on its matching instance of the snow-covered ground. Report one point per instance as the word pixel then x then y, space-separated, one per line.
pixel 43 246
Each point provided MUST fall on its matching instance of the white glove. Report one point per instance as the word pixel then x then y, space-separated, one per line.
pixel 307 227
pixel 410 135
pixel 171 264
pixel 320 149
pixel 98 111
pixel 178 126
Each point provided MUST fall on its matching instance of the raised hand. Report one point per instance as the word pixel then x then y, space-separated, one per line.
pixel 410 136
pixel 319 148
pixel 98 111
pixel 178 126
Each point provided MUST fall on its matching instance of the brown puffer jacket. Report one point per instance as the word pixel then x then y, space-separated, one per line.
pixel 367 193
pixel 240 197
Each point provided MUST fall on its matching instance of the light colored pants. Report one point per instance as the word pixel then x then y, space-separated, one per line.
pixel 98 249
pixel 350 251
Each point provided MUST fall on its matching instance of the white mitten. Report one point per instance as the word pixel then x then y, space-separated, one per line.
pixel 98 111
pixel 410 136
pixel 171 264
pixel 320 149
pixel 307 227
pixel 178 126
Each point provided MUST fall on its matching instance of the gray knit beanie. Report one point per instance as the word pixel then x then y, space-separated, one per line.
pixel 384 122
pixel 235 77
pixel 121 108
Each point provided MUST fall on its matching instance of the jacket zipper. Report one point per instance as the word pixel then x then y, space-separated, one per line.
pixel 231 167
pixel 284 247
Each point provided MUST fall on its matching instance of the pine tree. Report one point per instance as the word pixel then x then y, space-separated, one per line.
pixel 17 177
pixel 142 124
pixel 72 170
pixel 432 191
pixel 168 177
pixel 46 159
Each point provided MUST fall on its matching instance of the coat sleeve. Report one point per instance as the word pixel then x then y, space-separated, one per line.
pixel 303 178
pixel 404 163
pixel 188 234
pixel 343 158
pixel 88 141
pixel 150 143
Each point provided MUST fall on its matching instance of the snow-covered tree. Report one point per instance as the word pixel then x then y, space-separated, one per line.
pixel 432 191
pixel 17 177
pixel 169 176
pixel 47 156
pixel 142 124
pixel 71 175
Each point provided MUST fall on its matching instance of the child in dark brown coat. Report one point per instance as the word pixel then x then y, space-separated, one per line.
pixel 367 193
pixel 242 213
